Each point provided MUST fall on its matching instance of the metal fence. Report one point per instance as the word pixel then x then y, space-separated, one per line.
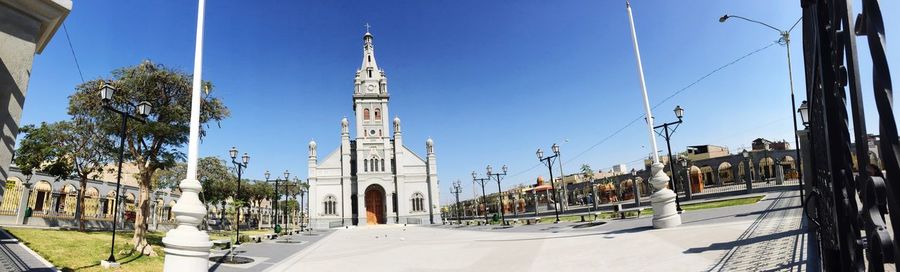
pixel 845 203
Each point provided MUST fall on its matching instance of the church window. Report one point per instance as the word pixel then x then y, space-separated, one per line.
pixel 330 204
pixel 370 72
pixel 382 165
pixel 379 133
pixel 418 202
pixel 377 114
pixel 374 165
pixel 366 114
pixel 366 165
pixel 370 58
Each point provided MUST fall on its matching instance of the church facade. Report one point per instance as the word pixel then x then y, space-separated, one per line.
pixel 372 178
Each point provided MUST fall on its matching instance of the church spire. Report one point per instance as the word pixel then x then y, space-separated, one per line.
pixel 369 55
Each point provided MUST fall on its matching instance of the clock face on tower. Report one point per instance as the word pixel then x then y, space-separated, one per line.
pixel 370 88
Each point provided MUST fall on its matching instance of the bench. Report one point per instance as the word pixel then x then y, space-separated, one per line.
pixel 621 211
pixel 584 216
pixel 532 220
pixel 256 238
pixel 226 244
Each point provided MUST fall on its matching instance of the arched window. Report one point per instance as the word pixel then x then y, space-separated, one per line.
pixel 366 114
pixel 382 165
pixel 330 204
pixel 366 165
pixel 374 164
pixel 377 114
pixel 418 202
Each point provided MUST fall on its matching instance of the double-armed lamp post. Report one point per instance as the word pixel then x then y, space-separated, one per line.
pixel 667 134
pixel 143 110
pixel 549 162
pixel 456 189
pixel 287 175
pixel 482 181
pixel 499 191
pixel 239 167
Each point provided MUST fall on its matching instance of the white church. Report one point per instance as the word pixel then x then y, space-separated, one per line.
pixel 373 178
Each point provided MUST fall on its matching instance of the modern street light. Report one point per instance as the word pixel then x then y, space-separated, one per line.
pixel 456 189
pixel 499 191
pixel 143 110
pixel 679 112
pixel 482 181
pixel 786 41
pixel 277 196
pixel 239 167
pixel 548 161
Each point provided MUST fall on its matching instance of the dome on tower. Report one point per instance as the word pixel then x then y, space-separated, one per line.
pixel 312 144
pixel 344 122
pixel 396 121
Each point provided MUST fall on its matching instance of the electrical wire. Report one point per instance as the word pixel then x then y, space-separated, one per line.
pixel 72 49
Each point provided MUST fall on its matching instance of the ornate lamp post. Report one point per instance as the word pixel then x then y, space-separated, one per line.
pixel 548 161
pixel 635 188
pixel 143 110
pixel 482 181
pixel 804 113
pixel 277 197
pixel 456 189
pixel 688 191
pixel 748 172
pixel 667 134
pixel 499 191
pixel 239 167
pixel 302 193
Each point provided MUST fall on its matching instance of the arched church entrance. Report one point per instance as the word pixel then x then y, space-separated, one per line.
pixel 375 205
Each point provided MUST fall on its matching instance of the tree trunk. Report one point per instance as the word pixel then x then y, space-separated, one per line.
pixel 79 209
pixel 143 212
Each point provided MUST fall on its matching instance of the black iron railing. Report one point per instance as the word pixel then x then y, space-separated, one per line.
pixel 851 235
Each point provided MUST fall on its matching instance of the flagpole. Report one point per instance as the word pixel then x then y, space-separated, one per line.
pixel 663 199
pixel 187 247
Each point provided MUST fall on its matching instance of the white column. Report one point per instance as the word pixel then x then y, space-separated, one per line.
pixel 187 248
pixel 663 200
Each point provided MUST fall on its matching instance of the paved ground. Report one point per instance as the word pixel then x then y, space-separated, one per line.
pixel 268 252
pixel 15 256
pixel 766 236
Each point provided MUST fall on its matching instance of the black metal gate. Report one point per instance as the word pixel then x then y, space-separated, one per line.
pixel 851 234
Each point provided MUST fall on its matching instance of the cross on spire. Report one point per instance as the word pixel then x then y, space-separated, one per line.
pixel 367 27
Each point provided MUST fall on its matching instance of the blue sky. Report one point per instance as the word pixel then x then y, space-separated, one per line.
pixel 489 81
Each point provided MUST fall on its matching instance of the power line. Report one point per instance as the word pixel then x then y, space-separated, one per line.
pixel 671 96
pixel 72 49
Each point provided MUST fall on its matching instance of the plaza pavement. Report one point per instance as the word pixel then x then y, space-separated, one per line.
pixel 766 236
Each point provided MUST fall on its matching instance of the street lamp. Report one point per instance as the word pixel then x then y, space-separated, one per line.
pixel 679 112
pixel 687 178
pixel 287 174
pixel 786 41
pixel 499 191
pixel 635 188
pixel 456 189
pixel 482 181
pixel 548 161
pixel 239 167
pixel 804 113
pixel 143 110
pixel 302 193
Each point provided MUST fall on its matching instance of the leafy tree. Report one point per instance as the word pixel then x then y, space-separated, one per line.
pixel 66 149
pixel 157 144
pixel 587 173
pixel 217 180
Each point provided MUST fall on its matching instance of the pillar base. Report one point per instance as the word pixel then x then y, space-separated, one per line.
pixel 664 212
pixel 108 264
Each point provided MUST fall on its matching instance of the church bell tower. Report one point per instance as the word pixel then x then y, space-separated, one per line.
pixel 370 96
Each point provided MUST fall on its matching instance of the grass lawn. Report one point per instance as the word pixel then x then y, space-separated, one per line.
pixel 229 235
pixel 82 251
pixel 722 203
pixel 686 207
